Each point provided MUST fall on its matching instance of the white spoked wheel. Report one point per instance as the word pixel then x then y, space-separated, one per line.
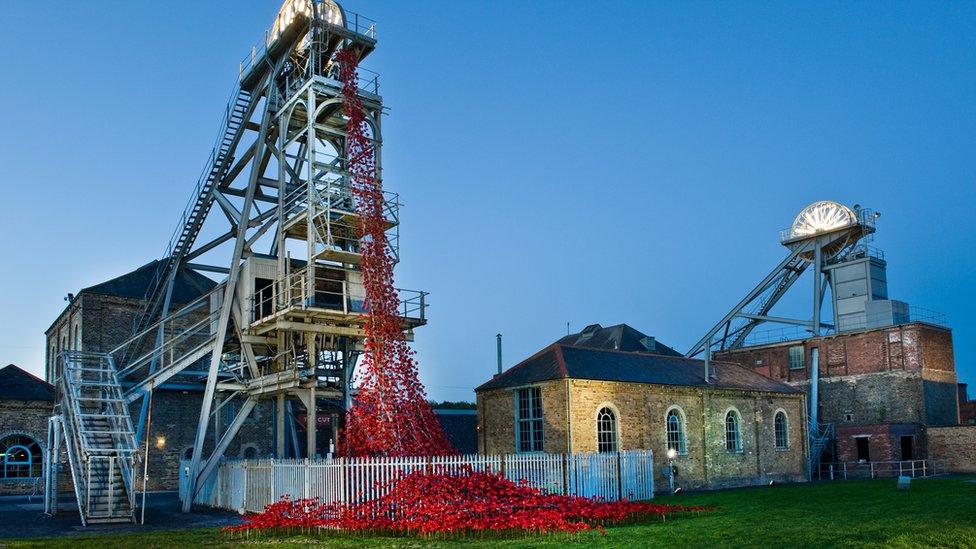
pixel 825 217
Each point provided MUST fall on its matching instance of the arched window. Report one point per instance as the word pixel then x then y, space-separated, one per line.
pixel 782 428
pixel 20 457
pixel 606 430
pixel 733 438
pixel 676 431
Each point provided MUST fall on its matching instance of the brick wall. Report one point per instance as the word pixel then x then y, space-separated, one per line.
pixel 174 426
pixel 898 374
pixel 24 418
pixel 641 410
pixel 955 444
pixel 884 441
pixel 106 322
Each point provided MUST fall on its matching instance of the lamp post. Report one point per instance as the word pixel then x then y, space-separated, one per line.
pixel 672 453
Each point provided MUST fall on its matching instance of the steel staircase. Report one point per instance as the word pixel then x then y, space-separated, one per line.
pixel 99 437
pixel 220 161
pixel 820 436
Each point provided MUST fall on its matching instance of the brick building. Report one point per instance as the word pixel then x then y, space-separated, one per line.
pixel 880 388
pixel 610 389
pixel 102 317
pixel 26 403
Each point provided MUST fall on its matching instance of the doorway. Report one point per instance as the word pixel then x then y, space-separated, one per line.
pixel 863 451
pixel 907 448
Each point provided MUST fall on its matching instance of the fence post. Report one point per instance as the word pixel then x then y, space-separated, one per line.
pixel 872 469
pixel 620 481
pixel 923 468
pixel 308 471
pixel 845 470
pixel 244 498
pixel 913 468
pixel 565 462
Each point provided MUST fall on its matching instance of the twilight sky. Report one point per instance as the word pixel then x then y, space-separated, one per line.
pixel 559 161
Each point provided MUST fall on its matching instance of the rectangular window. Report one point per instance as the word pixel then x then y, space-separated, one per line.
pixel 528 419
pixel 797 357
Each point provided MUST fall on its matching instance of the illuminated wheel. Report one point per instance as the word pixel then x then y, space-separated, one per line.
pixel 836 223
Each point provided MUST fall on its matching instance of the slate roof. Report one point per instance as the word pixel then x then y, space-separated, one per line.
pixel 189 284
pixel 619 338
pixel 559 361
pixel 18 384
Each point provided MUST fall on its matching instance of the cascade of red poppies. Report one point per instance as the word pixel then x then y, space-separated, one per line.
pixel 391 415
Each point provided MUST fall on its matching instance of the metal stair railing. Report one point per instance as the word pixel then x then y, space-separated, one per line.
pixel 820 436
pixel 98 430
pixel 187 336
pixel 195 212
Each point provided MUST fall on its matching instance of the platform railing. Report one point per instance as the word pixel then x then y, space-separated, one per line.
pixel 327 293
pixel 354 22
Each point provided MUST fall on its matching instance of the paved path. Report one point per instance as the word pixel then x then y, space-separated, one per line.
pixel 23 518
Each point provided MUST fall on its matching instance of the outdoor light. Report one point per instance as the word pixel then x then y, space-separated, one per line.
pixel 160 442
pixel 672 453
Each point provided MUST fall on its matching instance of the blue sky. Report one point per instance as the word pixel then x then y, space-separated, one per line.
pixel 560 161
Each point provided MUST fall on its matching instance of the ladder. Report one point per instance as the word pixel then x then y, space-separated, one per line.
pixel 98 437
pixel 220 161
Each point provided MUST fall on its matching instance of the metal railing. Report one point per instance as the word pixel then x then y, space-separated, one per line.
pixel 185 332
pixel 799 333
pixel 845 470
pixel 335 196
pixel 865 218
pixel 354 22
pixel 99 435
pixel 327 292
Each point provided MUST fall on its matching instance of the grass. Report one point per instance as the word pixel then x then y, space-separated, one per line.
pixel 857 513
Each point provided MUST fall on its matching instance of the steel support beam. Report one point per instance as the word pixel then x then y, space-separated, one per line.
pixel 222 322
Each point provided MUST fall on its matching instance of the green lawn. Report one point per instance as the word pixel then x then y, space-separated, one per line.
pixel 935 512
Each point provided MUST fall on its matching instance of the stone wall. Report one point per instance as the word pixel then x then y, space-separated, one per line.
pixel 641 411
pixel 955 444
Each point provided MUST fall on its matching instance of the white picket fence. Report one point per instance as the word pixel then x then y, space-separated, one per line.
pixel 249 485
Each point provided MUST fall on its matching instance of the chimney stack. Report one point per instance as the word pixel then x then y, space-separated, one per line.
pixel 498 341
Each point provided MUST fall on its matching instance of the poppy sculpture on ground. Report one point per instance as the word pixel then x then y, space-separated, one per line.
pixel 436 502
pixel 391 415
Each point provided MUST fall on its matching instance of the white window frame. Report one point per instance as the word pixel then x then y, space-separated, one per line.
pixel 682 448
pixel 536 425
pixel 802 364
pixel 736 431
pixel 786 430
pixel 614 430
